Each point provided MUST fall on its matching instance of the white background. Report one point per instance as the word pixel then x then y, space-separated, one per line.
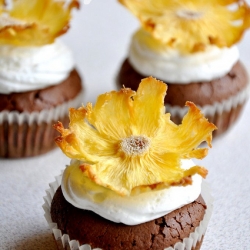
pixel 99 37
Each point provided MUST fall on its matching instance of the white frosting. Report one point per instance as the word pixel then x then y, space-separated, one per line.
pixel 171 66
pixel 130 210
pixel 29 68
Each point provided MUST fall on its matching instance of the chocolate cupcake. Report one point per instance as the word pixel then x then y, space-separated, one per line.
pixel 188 223
pixel 196 58
pixel 127 187
pixel 38 78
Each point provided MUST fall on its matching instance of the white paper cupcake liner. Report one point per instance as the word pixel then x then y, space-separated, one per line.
pixel 223 114
pixel 28 134
pixel 217 108
pixel 46 115
pixel 70 244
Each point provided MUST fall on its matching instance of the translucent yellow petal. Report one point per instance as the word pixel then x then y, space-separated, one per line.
pixel 111 115
pixel 129 172
pixel 146 118
pixel 36 22
pixel 138 172
pixel 190 26
pixel 2 4
pixel 199 153
pixel 82 184
pixel 196 170
pixel 81 141
pixel 186 137
pixel 29 11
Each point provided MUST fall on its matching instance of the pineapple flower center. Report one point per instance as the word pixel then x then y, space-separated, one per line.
pixel 135 145
pixel 189 14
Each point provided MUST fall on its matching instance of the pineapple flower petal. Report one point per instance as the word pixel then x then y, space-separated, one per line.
pixel 127 143
pixel 159 172
pixel 82 139
pixel 34 23
pixel 185 138
pixel 112 110
pixel 190 26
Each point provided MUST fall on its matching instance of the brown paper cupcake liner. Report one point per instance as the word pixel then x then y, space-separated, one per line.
pixel 29 134
pixel 193 242
pixel 223 114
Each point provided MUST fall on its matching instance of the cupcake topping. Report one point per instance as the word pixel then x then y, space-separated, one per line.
pixel 30 57
pixel 24 68
pixel 127 144
pixel 36 22
pixel 190 26
pixel 83 193
pixel 148 56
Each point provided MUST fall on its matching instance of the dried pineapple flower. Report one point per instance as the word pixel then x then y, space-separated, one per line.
pixel 191 25
pixel 126 141
pixel 34 22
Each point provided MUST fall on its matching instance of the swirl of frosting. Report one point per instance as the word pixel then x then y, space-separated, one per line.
pixel 149 57
pixel 30 68
pixel 81 192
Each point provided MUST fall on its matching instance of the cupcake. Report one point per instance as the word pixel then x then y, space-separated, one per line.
pixel 191 46
pixel 131 183
pixel 38 78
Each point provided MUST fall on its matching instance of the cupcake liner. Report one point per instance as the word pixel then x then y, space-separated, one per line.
pixel 217 108
pixel 63 241
pixel 223 114
pixel 28 134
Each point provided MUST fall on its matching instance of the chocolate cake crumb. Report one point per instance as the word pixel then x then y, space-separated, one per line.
pixel 89 228
pixel 201 93
pixel 30 139
pixel 37 100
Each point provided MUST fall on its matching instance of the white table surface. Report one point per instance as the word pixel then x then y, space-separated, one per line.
pixel 99 38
